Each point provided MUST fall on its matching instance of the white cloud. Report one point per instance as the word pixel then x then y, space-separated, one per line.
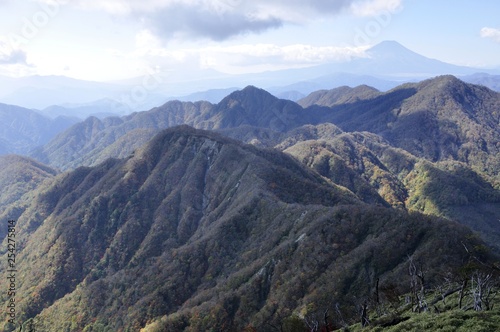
pixel 491 33
pixel 223 19
pixel 13 61
pixel 375 7
pixel 10 55
pixel 242 58
pixel 297 54
pixel 146 40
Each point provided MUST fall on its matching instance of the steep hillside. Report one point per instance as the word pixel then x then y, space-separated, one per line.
pixel 198 232
pixel 438 119
pixel 19 177
pixel 348 163
pixel 21 129
pixel 369 166
pixel 88 142
pixel 337 96
pixel 431 146
pixel 94 140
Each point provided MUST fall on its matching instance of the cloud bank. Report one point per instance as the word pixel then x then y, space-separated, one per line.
pixel 222 19
pixel 240 57
pixel 13 61
pixel 491 33
pixel 9 55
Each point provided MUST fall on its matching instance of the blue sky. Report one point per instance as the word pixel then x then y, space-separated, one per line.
pixel 116 39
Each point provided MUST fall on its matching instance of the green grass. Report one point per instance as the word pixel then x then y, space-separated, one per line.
pixel 447 320
pixel 453 321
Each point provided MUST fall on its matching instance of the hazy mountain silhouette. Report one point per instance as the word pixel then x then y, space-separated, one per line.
pixel 488 80
pixel 384 66
pixel 392 60
pixel 337 96
pixel 84 142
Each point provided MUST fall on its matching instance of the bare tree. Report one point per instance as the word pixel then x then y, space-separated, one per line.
pixel 326 321
pixel 482 283
pixel 377 295
pixel 462 292
pixel 340 316
pixel 365 321
pixel 417 286
pixel 313 322
pixel 481 286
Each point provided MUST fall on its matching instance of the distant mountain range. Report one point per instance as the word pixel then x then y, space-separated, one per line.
pixel 441 124
pixel 385 66
pixel 101 108
pixel 488 80
pixel 389 59
pixel 23 129
pixel 438 119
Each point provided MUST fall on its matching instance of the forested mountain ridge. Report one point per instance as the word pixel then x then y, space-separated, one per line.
pixel 19 178
pixel 395 148
pixel 438 119
pixel 195 231
pixel 22 129
pixel 369 166
pixel 89 142
pixel 338 96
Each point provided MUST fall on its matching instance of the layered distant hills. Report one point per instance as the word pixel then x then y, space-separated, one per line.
pixel 23 129
pixel 396 138
pixel 383 66
pixel 258 212
pixel 438 119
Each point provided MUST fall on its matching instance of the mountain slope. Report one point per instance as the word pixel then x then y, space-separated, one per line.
pixel 226 236
pixel 434 124
pixel 390 58
pixel 337 96
pixel 370 167
pixel 88 142
pixel 22 129
pixel 83 143
pixel 347 162
pixel 438 119
pixel 254 107
pixel 19 178
pixel 192 186
pixel 18 175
